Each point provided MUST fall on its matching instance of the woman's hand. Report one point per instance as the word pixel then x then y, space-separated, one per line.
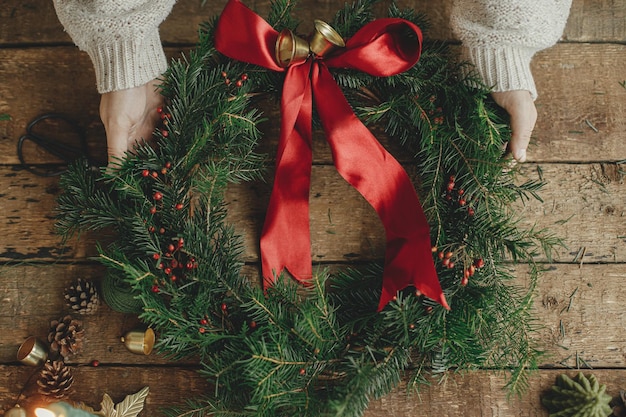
pixel 523 115
pixel 129 116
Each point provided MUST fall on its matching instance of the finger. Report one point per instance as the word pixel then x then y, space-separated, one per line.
pixel 522 125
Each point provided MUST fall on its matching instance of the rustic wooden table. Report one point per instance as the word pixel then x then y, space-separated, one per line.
pixel 579 142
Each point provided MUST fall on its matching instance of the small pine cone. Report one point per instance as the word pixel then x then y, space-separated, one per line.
pixel 66 336
pixel 82 297
pixel 55 379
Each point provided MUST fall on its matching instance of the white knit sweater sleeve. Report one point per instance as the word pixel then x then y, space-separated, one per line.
pixel 500 37
pixel 120 36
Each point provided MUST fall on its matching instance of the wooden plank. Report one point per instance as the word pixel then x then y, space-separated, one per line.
pixel 585 205
pixel 581 103
pixel 36 21
pixel 169 386
pixel 582 202
pixel 479 394
pixel 581 315
pixel 476 394
pixel 585 123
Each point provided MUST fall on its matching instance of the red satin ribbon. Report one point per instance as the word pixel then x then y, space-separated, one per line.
pixel 380 48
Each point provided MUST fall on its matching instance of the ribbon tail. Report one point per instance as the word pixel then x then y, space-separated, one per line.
pixel 285 239
pixel 367 166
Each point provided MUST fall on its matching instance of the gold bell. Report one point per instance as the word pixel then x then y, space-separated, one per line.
pixel 139 341
pixel 325 39
pixel 32 352
pixel 290 49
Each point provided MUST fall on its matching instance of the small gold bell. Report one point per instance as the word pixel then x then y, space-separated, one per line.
pixel 290 49
pixel 325 39
pixel 32 352
pixel 139 341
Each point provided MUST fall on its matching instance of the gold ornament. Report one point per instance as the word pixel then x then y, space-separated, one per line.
pixel 293 50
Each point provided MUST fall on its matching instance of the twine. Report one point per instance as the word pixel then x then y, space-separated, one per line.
pixel 119 296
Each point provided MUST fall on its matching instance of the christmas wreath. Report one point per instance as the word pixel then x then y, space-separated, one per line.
pixel 327 347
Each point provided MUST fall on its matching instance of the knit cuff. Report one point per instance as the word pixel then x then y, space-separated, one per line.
pixel 504 69
pixel 128 63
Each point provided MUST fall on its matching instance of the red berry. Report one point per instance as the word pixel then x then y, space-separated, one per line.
pixel 433 249
pixel 154 174
pixel 153 210
pixel 151 229
pixel 181 242
pixel 165 133
pixel 156 256
pixel 159 109
pixel 449 255
pixel 174 278
pixel 155 288
pixel 466 273
pixel 461 191
pixel 202 330
pixel 462 201
pixel 464 281
pixel 224 74
pixel 411 326
pixel 163 171
pixel 145 173
pixel 179 206
pixel 167 270
pixel 470 212
pixel 440 255
pixel 450 265
pixel 160 265
pixel 244 77
pixel 446 262
pixel 471 270
pixel 452 178
pixel 450 186
pixel 162 231
pixel 204 322
pixel 95 363
pixel 479 263
pixel 157 196
pixel 224 307
pixel 302 371
pixel 227 81
pixel 168 165
pixel 174 263
pixel 239 83
pixel 189 265
pixel 253 324
pixel 171 248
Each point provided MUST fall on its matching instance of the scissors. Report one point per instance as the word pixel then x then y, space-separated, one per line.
pixel 61 148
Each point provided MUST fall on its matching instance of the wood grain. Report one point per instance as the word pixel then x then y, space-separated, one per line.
pixel 581 122
pixel 35 22
pixel 580 203
pixel 578 307
pixel 577 144
pixel 476 394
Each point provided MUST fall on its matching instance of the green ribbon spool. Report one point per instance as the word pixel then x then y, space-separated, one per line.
pixel 119 295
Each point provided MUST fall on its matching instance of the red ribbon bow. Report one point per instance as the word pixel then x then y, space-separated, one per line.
pixel 380 48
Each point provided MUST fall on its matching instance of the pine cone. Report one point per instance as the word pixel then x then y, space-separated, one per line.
pixel 66 336
pixel 55 379
pixel 82 297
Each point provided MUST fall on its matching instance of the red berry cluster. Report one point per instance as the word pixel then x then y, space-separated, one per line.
pixel 174 262
pixel 444 257
pixel 457 195
pixel 471 270
pixel 165 121
pixel 238 83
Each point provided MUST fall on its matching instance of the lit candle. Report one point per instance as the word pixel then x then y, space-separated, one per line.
pixel 61 410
